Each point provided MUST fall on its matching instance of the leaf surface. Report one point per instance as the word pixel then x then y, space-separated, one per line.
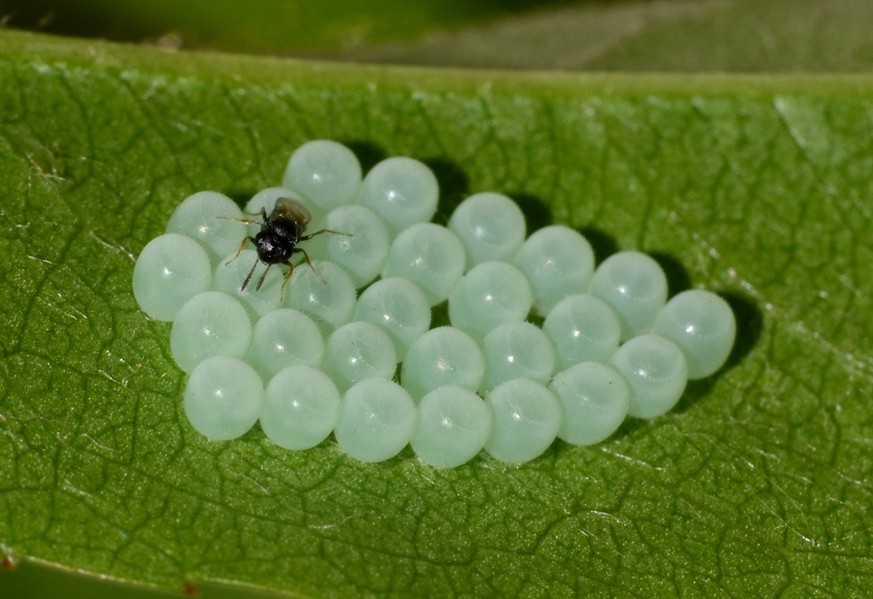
pixel 593 35
pixel 667 35
pixel 757 484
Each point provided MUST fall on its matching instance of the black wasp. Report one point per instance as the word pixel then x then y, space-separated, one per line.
pixel 277 240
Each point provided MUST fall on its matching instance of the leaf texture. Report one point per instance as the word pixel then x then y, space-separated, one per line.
pixel 758 484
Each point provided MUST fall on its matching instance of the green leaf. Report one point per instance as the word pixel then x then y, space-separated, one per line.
pixel 670 35
pixel 277 26
pixel 757 484
pixel 611 35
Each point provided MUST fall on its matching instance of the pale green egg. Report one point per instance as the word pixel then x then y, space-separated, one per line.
pixel 363 250
pixel 301 409
pixel 558 262
pixel 594 402
pixel 402 190
pixel 326 294
pixel 430 256
pixel 453 425
pixel 527 417
pixel 325 172
pixel 656 371
pixel 635 286
pixel 703 326
pixel 209 324
pixel 210 218
pixel 583 329
pixel 399 308
pixel 170 270
pixel 358 351
pixel 442 356
pixel 377 419
pixel 490 225
pixel 284 338
pixel 224 397
pixel 490 294
pixel 517 350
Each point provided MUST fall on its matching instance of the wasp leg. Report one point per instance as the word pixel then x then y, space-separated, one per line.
pixel 249 276
pixel 320 231
pixel 287 278
pixel 241 246
pixel 309 262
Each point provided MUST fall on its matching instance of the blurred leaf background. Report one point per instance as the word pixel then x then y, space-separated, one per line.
pixel 594 35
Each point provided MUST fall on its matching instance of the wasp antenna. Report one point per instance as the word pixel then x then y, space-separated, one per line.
pixel 249 277
pixel 247 221
pixel 263 276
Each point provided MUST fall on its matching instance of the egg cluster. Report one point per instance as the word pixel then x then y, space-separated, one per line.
pixel 317 357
